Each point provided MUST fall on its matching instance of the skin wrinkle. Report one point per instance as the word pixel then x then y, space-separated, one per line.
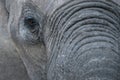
pixel 88 55
pixel 60 9
pixel 55 50
pixel 76 29
pixel 93 55
pixel 67 41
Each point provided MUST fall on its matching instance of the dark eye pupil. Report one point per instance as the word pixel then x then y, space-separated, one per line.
pixel 30 22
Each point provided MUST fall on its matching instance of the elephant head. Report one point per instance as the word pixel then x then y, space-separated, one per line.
pixel 67 39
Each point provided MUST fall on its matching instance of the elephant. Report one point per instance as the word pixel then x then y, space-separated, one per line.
pixel 11 66
pixel 67 39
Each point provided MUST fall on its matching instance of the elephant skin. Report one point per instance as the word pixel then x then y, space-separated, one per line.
pixel 11 66
pixel 67 39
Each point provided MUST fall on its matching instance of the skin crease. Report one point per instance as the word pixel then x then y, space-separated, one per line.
pixel 35 56
pixel 31 64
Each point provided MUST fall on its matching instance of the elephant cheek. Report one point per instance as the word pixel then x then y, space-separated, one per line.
pixel 84 42
pixel 34 58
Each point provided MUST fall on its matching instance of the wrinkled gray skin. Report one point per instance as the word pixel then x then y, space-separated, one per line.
pixel 67 39
pixel 11 66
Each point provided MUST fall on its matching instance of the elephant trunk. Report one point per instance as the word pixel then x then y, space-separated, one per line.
pixel 84 41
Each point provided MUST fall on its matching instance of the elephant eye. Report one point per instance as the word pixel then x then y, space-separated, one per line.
pixel 31 23
pixel 30 30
